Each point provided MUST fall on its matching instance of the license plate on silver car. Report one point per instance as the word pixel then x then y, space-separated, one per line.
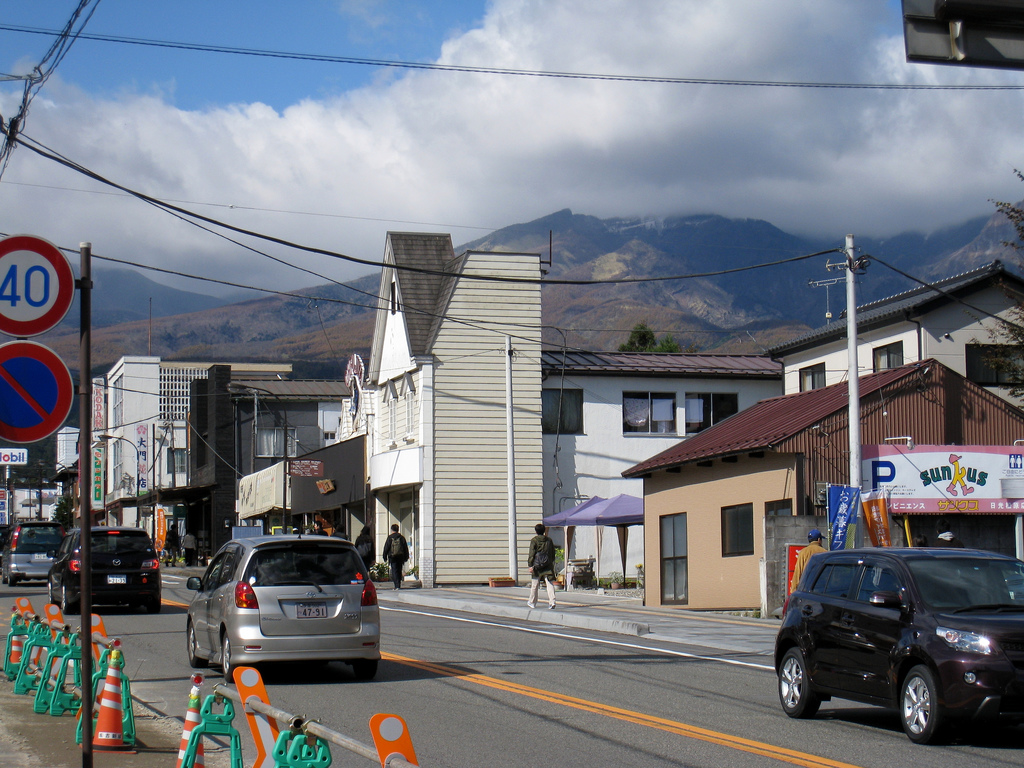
pixel 311 610
pixel 117 579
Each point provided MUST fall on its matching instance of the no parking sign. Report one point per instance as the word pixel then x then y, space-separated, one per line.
pixel 36 392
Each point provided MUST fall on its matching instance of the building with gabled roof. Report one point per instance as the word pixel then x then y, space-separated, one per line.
pixel 722 507
pixel 456 350
pixel 951 320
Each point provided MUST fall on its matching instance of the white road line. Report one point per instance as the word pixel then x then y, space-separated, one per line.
pixel 566 636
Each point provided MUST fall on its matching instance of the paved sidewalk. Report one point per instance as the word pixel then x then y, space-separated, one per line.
pixel 604 613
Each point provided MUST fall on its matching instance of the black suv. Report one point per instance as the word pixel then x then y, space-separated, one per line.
pixel 125 570
pixel 937 634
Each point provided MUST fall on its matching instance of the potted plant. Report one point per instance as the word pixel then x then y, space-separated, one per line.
pixel 615 579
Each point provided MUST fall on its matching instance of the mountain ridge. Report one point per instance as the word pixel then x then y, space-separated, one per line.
pixel 723 304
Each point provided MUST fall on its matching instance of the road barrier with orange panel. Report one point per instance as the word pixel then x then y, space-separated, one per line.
pixel 305 742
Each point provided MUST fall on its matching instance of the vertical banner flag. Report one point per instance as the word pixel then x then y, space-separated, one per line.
pixel 98 482
pixel 843 502
pixel 876 518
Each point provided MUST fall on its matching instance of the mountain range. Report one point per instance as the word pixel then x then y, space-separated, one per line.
pixel 721 300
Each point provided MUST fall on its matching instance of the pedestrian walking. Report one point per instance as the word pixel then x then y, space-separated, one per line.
pixel 172 545
pixel 542 565
pixel 814 546
pixel 188 543
pixel 396 553
pixel 364 546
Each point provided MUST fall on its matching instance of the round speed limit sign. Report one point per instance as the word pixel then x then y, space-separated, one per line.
pixel 36 286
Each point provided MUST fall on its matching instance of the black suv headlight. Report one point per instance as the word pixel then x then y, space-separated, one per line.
pixel 960 640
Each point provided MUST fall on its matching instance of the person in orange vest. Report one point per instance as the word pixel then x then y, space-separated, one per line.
pixel 814 546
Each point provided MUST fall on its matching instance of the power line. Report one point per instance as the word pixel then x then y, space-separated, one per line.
pixel 506 71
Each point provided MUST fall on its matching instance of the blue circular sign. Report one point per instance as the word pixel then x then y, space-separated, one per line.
pixel 36 392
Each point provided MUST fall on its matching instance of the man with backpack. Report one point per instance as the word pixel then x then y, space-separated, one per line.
pixel 396 552
pixel 542 563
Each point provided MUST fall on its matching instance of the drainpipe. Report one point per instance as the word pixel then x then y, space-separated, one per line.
pixel 513 557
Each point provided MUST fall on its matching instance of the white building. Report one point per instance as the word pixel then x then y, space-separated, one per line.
pixel 952 321
pixel 605 412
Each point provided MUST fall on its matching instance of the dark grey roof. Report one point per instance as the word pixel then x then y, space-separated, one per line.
pixel 301 389
pixel 660 364
pixel 912 303
pixel 424 296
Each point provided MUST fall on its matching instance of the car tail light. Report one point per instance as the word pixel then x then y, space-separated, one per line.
pixel 75 566
pixel 785 605
pixel 14 538
pixel 369 594
pixel 150 565
pixel 244 596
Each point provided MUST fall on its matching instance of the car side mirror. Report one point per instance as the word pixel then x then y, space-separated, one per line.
pixel 194 583
pixel 886 599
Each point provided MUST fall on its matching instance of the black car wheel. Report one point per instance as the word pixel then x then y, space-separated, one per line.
pixel 49 591
pixel 364 669
pixel 68 606
pixel 153 605
pixel 225 657
pixel 194 659
pixel 919 706
pixel 795 694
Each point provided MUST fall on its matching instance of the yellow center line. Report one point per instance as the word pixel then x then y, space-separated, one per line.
pixel 669 726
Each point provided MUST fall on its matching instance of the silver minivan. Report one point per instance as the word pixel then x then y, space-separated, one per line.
pixel 29 551
pixel 284 598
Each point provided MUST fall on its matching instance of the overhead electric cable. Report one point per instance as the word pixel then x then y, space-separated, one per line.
pixel 50 154
pixel 507 71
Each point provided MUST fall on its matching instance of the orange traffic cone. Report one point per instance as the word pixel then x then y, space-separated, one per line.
pixel 17 646
pixel 109 735
pixel 192 719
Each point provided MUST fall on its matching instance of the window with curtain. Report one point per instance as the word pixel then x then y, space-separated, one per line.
pixel 706 408
pixel 649 412
pixel 888 356
pixel 270 442
pixel 812 377
pixel 562 415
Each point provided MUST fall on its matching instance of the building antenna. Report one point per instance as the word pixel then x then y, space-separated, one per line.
pixel 827 284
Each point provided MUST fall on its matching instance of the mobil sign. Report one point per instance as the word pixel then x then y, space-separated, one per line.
pixel 939 479
pixel 13 456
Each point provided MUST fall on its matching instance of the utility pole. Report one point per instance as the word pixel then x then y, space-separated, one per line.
pixel 853 383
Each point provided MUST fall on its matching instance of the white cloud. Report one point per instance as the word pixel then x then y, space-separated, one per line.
pixel 466 149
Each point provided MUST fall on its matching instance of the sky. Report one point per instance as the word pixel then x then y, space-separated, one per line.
pixel 333 153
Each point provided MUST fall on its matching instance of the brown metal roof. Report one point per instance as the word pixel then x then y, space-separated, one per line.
pixel 769 422
pixel 660 363
pixel 300 389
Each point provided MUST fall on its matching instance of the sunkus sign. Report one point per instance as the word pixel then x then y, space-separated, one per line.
pixel 939 479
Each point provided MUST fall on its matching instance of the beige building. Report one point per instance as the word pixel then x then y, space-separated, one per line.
pixel 719 508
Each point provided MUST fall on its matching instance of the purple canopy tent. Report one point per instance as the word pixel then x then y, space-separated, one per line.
pixel 620 511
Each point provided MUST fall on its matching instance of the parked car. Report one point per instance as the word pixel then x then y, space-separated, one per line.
pixel 125 570
pixel 937 634
pixel 285 598
pixel 28 553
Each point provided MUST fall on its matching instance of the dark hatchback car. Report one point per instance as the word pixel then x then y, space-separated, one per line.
pixel 125 570
pixel 937 634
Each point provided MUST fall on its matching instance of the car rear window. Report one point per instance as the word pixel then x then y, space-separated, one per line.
pixel 305 564
pixel 38 538
pixel 114 542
